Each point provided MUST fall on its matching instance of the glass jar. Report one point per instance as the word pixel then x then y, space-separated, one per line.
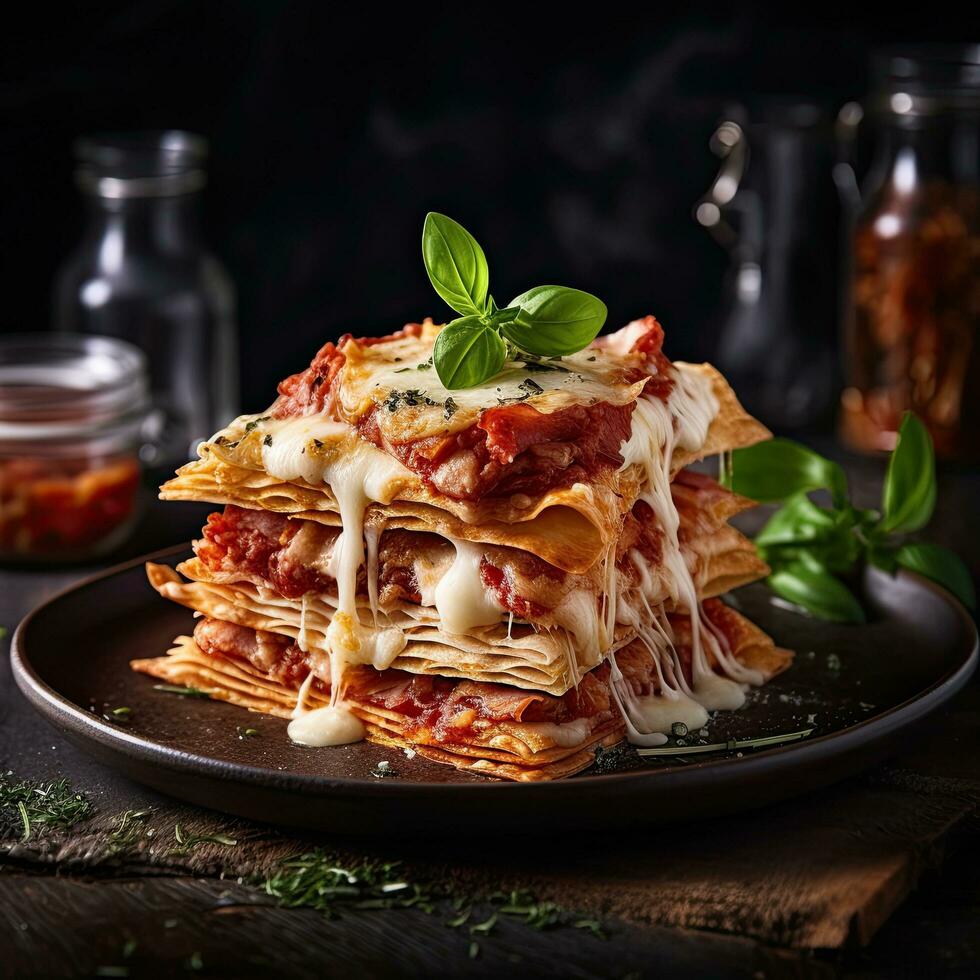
pixel 914 313
pixel 73 411
pixel 142 273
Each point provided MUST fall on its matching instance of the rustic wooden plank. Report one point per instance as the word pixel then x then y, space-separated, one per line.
pixel 70 927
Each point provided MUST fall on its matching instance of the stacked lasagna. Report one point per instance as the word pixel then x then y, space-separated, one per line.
pixel 501 578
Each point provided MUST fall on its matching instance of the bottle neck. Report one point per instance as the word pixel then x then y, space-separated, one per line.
pixel 941 147
pixel 149 225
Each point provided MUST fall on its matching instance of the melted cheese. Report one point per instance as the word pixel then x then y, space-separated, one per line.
pixel 330 725
pixel 461 598
pixel 566 735
pixel 375 375
pixel 319 450
pixel 656 429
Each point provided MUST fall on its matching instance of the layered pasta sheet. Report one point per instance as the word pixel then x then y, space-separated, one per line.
pixel 501 578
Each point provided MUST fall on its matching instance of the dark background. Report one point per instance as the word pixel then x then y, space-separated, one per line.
pixel 572 143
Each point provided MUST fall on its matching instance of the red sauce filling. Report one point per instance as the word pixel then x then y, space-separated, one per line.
pixel 511 449
pixel 53 507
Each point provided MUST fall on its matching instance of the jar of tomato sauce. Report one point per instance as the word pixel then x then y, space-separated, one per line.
pixel 73 413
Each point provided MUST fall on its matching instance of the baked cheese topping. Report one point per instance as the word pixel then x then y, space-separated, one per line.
pixel 397 378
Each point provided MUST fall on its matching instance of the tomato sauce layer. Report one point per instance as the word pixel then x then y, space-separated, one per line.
pixel 511 449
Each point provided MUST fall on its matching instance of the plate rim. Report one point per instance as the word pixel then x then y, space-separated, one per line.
pixel 64 714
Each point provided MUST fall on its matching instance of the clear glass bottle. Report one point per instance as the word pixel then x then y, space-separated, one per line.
pixel 913 329
pixel 141 273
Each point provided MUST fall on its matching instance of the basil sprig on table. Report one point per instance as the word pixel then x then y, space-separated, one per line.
pixel 808 546
pixel 546 321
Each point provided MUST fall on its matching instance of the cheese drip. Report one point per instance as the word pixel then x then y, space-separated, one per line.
pixel 656 429
pixel 461 598
pixel 320 450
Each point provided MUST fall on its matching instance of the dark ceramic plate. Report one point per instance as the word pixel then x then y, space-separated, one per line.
pixel 860 688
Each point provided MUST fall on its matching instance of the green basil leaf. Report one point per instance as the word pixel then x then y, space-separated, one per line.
pixel 806 583
pixel 779 468
pixel 798 520
pixel 942 566
pixel 801 528
pixel 467 352
pixel 909 495
pixel 456 264
pixel 555 320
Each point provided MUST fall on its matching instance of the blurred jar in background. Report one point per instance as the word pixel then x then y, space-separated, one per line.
pixel 141 273
pixel 73 412
pixel 912 324
pixel 774 207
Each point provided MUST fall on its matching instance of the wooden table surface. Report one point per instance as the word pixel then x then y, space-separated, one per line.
pixel 878 876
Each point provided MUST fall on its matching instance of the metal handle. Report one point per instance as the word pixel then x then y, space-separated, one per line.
pixel 729 143
pixel 845 173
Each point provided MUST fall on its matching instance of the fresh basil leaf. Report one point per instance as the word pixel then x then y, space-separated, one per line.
pixel 456 264
pixel 798 520
pixel 505 316
pixel 808 584
pixel 467 352
pixel 802 528
pixel 554 320
pixel 909 495
pixel 779 468
pixel 942 566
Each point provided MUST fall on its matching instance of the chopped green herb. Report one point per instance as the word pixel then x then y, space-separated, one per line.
pixel 267 440
pixel 246 732
pixel 22 809
pixel 474 951
pixel 451 408
pixel 251 425
pixel 186 692
pixel 543 366
pixel 186 841
pixel 316 880
pixel 412 398
pixel 131 830
pixel 195 961
pixel 486 927
pixel 121 716
pixel 3 632
pixel 31 806
pixel 592 925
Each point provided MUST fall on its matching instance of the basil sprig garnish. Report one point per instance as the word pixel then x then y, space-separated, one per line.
pixel 546 321
pixel 808 545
